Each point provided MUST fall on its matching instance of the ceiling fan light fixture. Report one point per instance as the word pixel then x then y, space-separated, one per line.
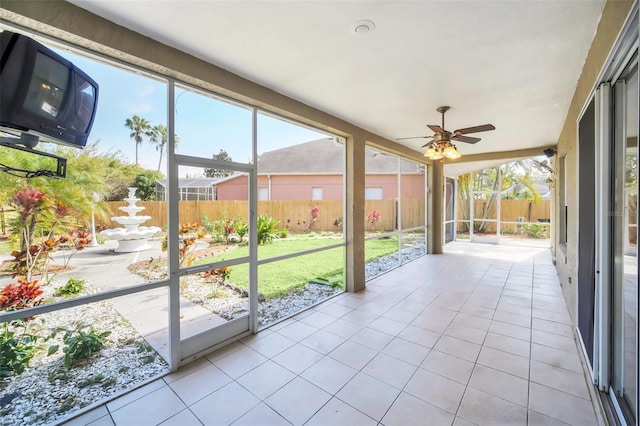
pixel 433 153
pixel 451 152
pixel 430 152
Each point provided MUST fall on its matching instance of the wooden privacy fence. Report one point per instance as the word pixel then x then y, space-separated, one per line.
pixel 292 214
pixel 296 214
pixel 510 211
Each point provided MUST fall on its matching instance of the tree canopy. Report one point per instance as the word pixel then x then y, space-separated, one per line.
pixel 219 173
pixel 88 171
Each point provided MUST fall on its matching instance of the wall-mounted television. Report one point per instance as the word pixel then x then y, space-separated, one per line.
pixel 43 94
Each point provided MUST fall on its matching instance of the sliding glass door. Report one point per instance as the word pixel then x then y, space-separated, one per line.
pixel 624 310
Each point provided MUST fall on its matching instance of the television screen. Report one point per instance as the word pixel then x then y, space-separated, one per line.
pixel 44 94
pixel 47 87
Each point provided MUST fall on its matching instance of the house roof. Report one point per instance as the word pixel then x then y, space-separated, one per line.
pixel 518 188
pixel 192 182
pixel 324 156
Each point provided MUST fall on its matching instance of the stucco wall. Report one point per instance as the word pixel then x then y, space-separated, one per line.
pixel 611 21
pixel 299 187
pixel 233 189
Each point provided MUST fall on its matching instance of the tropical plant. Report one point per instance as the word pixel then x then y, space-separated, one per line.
pixel 315 212
pixel 72 287
pixel 17 347
pixel 44 223
pixel 158 135
pixel 79 342
pixel 88 171
pixel 189 234
pixel 267 229
pixel 220 229
pixel 215 277
pixel 240 227
pixel 21 296
pixel 140 128
pixel 534 230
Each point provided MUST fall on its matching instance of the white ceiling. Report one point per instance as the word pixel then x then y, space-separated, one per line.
pixel 513 63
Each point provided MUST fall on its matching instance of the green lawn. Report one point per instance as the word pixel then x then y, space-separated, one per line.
pixel 278 278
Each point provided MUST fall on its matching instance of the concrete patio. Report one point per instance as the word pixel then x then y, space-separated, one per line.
pixel 479 335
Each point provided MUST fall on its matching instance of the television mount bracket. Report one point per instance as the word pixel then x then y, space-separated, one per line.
pixel 30 141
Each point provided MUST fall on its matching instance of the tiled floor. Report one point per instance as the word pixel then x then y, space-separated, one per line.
pixel 479 335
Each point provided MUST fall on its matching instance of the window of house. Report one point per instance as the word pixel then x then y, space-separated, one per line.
pixel 316 193
pixel 263 194
pixel 373 193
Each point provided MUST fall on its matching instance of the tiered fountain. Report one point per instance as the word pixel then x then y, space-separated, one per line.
pixel 132 237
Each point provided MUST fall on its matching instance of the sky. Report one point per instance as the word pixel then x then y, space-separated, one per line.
pixel 204 124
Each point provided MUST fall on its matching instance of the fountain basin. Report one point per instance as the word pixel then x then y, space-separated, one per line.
pixel 131 240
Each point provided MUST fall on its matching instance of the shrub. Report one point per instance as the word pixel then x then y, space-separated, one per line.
pixel 282 233
pixel 23 295
pixel 535 230
pixel 240 227
pixel 73 287
pixel 17 347
pixel 218 275
pixel 79 343
pixel 190 234
pixel 267 230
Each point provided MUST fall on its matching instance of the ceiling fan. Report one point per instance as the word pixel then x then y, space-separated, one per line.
pixel 440 145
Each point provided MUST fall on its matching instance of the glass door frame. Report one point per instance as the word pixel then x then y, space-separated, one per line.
pixel 609 169
pixel 620 246
pixel 188 349
pixel 450 208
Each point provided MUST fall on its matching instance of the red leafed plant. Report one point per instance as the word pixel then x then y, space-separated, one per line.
pixel 29 200
pixel 190 234
pixel 373 217
pixel 22 295
pixel 79 239
pixel 45 225
pixel 315 212
pixel 220 273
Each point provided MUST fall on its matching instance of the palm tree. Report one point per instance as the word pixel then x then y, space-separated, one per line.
pixel 158 135
pixel 139 127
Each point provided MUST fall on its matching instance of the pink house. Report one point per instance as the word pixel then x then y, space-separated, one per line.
pixel 314 171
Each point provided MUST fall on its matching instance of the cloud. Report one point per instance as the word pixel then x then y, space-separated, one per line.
pixel 140 108
pixel 145 99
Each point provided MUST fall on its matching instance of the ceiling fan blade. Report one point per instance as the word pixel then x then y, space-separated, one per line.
pixel 465 139
pixel 475 129
pixel 414 137
pixel 435 128
pixel 427 144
